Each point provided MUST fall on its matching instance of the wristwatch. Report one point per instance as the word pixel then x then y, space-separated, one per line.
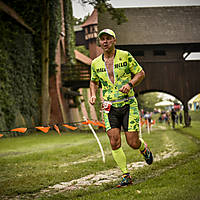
pixel 130 84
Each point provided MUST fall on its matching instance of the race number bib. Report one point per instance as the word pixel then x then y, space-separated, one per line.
pixel 107 106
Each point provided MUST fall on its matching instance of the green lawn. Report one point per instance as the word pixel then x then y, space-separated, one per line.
pixel 30 164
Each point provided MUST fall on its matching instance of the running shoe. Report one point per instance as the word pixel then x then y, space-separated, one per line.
pixel 126 180
pixel 148 156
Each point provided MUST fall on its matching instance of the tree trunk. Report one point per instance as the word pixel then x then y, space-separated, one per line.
pixel 186 115
pixel 45 104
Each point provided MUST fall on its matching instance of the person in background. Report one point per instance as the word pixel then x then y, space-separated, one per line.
pixel 180 117
pixel 114 69
pixel 190 119
pixel 168 117
pixel 173 117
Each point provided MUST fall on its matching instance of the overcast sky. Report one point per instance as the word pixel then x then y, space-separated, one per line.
pixel 80 11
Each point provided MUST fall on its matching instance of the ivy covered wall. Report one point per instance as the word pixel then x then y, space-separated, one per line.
pixel 55 30
pixel 20 61
pixel 19 71
pixel 69 32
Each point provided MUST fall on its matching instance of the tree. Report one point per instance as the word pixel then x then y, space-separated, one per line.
pixel 105 5
pixel 147 101
pixel 45 107
pixel 79 21
pixel 83 50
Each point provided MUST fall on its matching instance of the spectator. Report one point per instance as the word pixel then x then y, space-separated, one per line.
pixel 176 120
pixel 180 117
pixel 173 116
pixel 190 119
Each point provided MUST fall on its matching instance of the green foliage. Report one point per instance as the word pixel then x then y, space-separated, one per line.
pixel 104 5
pixel 147 101
pixel 20 61
pixel 83 50
pixel 18 90
pixel 79 21
pixel 85 97
pixel 195 115
pixel 97 106
pixel 69 31
pixel 55 30
pixel 79 110
pixel 6 100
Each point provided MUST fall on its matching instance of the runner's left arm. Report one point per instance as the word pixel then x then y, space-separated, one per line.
pixel 137 79
pixel 138 72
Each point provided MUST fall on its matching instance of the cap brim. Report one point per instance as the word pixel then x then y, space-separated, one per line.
pixel 101 33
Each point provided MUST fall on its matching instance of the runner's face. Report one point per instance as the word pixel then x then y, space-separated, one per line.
pixel 107 42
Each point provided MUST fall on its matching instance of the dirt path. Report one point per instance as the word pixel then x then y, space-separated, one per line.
pixel 107 176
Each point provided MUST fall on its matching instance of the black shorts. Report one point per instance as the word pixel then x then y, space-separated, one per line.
pixel 118 117
pixel 126 117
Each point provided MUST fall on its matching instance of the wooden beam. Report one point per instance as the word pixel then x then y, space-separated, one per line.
pixel 14 15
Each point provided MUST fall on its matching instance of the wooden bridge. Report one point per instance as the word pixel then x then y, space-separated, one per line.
pixel 160 43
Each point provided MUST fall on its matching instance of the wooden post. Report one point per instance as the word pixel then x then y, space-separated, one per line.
pixel 186 114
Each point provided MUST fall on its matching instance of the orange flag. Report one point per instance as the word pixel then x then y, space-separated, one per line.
pixel 142 123
pixel 70 127
pixel 100 124
pixel 1 135
pixel 85 123
pixel 21 130
pixel 57 129
pixel 43 129
pixel 91 122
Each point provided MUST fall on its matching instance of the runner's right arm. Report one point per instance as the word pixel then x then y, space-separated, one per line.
pixel 93 90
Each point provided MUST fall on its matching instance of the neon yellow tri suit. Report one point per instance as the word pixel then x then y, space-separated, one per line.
pixel 124 66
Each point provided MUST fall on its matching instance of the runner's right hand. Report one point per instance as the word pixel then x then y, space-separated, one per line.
pixel 92 100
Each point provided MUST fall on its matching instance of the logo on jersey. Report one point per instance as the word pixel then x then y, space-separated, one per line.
pixel 118 65
pixel 101 70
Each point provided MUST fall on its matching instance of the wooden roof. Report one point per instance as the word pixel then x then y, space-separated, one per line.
pixel 156 25
pixel 82 58
pixel 92 19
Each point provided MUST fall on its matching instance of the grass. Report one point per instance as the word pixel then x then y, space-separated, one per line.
pixel 195 115
pixel 32 163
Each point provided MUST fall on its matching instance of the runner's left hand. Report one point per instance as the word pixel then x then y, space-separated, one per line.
pixel 125 88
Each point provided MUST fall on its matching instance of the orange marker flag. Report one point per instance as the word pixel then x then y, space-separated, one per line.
pixel 43 129
pixel 85 123
pixel 100 124
pixel 142 123
pixel 1 135
pixel 21 130
pixel 57 129
pixel 70 127
pixel 91 122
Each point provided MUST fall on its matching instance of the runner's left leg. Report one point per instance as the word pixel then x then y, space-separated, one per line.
pixel 117 151
pixel 135 142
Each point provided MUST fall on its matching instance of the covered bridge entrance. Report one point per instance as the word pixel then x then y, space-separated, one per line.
pixel 161 39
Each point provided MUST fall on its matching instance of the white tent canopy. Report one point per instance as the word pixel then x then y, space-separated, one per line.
pixel 164 103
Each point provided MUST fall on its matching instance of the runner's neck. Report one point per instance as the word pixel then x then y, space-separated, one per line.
pixel 109 55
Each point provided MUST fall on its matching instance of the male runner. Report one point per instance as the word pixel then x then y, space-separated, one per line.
pixel 113 69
